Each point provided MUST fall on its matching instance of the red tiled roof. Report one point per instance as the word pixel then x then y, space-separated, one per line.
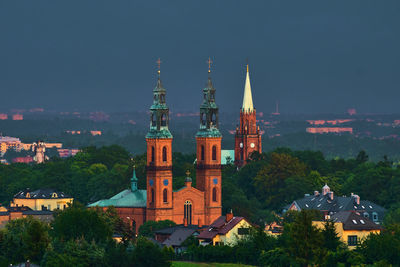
pixel 219 226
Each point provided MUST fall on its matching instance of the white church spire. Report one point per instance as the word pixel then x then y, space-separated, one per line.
pixel 247 97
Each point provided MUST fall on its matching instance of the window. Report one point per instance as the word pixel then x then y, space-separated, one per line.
pixel 214 153
pixel 214 194
pixel 54 195
pixel 214 119
pixel 354 221
pixel 152 195
pixel 134 227
pixel 152 154
pixel 375 216
pixel 58 206
pixel 64 206
pixel 153 120
pixel 366 215
pixel 49 207
pixel 352 240
pixel 165 195
pixel 164 154
pixel 243 231
pixel 188 212
pixel 202 152
pixel 164 120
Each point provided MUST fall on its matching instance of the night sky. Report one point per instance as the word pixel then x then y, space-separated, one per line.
pixel 312 56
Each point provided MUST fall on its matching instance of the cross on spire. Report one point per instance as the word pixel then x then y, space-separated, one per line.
pixel 159 65
pixel 209 62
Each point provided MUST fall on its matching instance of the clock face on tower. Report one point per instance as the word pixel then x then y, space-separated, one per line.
pixel 252 145
pixel 151 182
pixel 165 182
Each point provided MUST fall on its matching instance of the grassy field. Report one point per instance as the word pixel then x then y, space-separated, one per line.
pixel 201 264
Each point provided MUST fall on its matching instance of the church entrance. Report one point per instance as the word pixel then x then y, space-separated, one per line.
pixel 188 211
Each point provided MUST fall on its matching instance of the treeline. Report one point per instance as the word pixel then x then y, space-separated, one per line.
pixel 263 187
pixel 77 237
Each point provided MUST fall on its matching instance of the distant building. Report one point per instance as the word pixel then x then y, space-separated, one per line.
pixel 65 152
pixel 324 130
pixel 351 227
pixel 41 199
pixel 248 135
pixel 7 143
pixel 3 116
pixel 94 133
pixel 27 159
pixel 329 204
pixel 17 117
pixel 226 230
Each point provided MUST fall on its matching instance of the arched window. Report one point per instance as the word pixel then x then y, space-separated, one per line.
pixel 164 120
pixel 188 211
pixel 153 120
pixel 165 195
pixel 203 119
pixel 214 119
pixel 214 194
pixel 152 154
pixel 152 195
pixel 202 152
pixel 214 153
pixel 164 153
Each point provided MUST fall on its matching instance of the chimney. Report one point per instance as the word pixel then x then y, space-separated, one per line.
pixel 356 199
pixel 316 193
pixel 229 216
pixel 330 195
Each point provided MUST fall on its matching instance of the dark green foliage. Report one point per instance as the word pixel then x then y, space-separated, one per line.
pixel 79 222
pixel 147 229
pixel 146 254
pixel 24 239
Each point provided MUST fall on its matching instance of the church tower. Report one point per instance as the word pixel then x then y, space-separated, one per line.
pixel 159 158
pixel 247 137
pixel 208 138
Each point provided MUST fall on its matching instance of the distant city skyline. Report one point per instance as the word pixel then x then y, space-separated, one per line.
pixel 311 56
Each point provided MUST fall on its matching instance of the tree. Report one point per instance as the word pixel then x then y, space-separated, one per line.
pixel 79 222
pixel 304 239
pixel 147 254
pixel 331 238
pixel 24 239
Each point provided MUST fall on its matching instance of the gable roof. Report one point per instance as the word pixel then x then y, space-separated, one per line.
pixel 179 236
pixel 354 221
pixel 219 227
pixel 45 193
pixel 339 203
pixel 126 198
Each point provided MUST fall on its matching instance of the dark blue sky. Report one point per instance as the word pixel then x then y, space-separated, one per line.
pixel 312 56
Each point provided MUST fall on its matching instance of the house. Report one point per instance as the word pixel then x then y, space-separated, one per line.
pixel 176 236
pixel 329 204
pixel 13 213
pixel 351 227
pixel 226 230
pixel 273 229
pixel 41 199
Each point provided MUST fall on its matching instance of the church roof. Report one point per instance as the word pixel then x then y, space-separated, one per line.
pixel 247 105
pixel 126 198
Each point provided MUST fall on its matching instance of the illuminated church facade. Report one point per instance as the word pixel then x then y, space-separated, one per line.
pixel 200 205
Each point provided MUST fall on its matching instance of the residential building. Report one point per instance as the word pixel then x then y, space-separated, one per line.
pixel 7 143
pixel 13 213
pixel 176 236
pixel 41 199
pixel 328 203
pixel 248 135
pixel 226 230
pixel 351 227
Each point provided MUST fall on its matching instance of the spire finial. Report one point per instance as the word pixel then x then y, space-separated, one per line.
pixel 247 64
pixel 159 66
pixel 209 62
pixel 187 173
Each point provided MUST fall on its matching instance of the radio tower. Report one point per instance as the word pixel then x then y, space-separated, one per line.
pixel 276 109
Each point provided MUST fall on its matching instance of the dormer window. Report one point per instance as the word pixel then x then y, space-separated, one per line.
pixel 54 195
pixel 28 195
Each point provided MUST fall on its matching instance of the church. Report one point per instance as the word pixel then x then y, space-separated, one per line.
pixel 200 205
